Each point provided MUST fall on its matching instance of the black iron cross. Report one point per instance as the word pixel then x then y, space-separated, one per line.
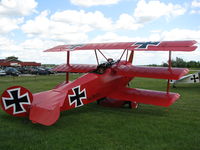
pixel 77 97
pixel 75 46
pixel 194 78
pixel 16 100
pixel 144 45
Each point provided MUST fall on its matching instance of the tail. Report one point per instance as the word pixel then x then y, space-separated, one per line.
pixel 16 101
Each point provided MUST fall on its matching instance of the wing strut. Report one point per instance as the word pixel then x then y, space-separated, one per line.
pixel 123 54
pixel 127 55
pixel 169 67
pixel 102 54
pixel 130 60
pixel 95 51
pixel 67 73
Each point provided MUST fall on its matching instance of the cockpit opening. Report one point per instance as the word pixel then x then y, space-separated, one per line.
pixel 101 68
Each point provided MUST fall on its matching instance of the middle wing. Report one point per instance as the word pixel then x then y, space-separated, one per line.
pixel 151 72
pixel 77 68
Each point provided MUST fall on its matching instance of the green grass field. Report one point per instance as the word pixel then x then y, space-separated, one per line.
pixel 93 127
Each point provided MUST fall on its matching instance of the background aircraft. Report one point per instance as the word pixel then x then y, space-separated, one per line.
pixel 190 78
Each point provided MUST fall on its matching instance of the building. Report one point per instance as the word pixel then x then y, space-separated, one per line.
pixel 15 63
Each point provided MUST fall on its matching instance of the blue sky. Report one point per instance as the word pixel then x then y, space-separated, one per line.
pixel 27 27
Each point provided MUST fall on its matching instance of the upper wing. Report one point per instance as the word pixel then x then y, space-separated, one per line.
pixel 151 72
pixel 145 96
pixel 135 46
pixel 80 68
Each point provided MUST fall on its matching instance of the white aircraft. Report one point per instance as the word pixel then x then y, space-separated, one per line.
pixel 190 78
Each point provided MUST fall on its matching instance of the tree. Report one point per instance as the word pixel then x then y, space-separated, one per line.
pixel 179 62
pixel 12 58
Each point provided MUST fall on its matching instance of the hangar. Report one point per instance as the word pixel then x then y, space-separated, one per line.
pixel 12 63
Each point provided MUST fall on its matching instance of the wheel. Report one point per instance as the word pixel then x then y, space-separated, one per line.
pixel 133 105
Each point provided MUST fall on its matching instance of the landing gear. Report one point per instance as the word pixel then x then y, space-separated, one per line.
pixel 131 105
pixel 134 105
pixel 116 103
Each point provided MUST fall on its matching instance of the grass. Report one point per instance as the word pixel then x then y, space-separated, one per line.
pixel 94 127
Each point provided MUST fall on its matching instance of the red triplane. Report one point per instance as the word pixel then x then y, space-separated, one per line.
pixel 106 83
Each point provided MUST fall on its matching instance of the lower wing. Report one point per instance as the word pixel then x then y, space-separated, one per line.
pixel 146 96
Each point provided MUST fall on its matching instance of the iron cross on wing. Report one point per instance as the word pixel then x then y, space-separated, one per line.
pixel 144 45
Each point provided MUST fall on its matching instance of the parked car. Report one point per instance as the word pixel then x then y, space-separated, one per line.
pixel 23 70
pixel 42 71
pixel 39 71
pixel 49 70
pixel 2 72
pixel 12 71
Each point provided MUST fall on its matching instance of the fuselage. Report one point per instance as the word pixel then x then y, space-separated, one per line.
pixel 95 86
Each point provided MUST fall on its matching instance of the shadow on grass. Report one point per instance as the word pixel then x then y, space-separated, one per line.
pixel 71 117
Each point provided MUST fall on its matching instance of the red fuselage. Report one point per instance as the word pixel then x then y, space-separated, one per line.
pixel 96 86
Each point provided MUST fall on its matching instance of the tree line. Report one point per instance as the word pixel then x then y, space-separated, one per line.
pixel 179 62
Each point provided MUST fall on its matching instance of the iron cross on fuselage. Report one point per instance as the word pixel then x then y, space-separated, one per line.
pixel 77 97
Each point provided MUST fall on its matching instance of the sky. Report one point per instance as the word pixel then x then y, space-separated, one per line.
pixel 27 27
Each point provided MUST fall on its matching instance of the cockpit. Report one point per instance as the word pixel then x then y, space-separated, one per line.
pixel 101 68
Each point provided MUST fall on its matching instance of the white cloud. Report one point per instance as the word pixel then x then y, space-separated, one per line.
pixel 31 50
pixel 196 3
pixel 7 45
pixel 17 7
pixel 68 26
pixel 89 3
pixel 181 34
pixel 195 7
pixel 146 12
pixel 93 19
pixel 195 12
pixel 40 25
pixel 114 37
pixel 12 13
pixel 7 24
pixel 128 22
pixel 154 9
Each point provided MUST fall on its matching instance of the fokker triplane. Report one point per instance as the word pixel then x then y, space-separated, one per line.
pixel 106 83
